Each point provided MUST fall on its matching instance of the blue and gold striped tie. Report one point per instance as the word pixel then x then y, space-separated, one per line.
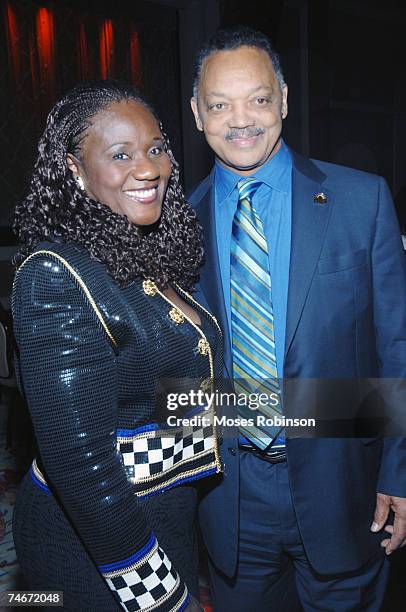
pixel 252 324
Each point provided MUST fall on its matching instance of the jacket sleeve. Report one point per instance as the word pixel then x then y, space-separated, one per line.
pixel 69 375
pixel 389 294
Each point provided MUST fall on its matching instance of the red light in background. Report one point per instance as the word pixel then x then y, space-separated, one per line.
pixel 83 53
pixel 32 48
pixel 135 57
pixel 13 40
pixel 106 49
pixel 46 51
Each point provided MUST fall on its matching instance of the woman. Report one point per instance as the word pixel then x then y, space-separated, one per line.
pixel 101 315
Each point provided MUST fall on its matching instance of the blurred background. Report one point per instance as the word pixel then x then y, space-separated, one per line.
pixel 343 62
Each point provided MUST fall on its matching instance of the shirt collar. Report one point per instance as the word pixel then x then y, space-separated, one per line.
pixel 276 173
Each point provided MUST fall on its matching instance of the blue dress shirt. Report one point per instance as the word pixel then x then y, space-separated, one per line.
pixel 273 202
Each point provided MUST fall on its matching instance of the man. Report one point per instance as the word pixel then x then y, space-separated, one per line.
pixel 305 273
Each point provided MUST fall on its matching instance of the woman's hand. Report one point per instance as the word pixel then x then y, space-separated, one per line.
pixel 194 605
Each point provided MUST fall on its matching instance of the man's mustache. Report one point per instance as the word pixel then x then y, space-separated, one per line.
pixel 248 132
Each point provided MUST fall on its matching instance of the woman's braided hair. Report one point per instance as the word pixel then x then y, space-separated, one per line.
pixel 56 207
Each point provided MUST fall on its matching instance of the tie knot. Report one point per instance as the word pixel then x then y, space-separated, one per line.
pixel 247 188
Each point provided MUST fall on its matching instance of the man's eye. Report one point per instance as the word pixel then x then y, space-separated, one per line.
pixel 217 107
pixel 120 156
pixel 156 150
pixel 262 101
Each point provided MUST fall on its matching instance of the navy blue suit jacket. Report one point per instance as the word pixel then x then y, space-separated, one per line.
pixel 346 319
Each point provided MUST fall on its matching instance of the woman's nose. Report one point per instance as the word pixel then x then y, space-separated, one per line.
pixel 145 169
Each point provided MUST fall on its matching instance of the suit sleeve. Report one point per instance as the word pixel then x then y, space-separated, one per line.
pixel 389 294
pixel 69 376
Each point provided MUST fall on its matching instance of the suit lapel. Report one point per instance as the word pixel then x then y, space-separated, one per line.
pixel 210 277
pixel 309 225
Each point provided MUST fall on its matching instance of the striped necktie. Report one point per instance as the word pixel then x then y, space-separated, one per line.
pixel 252 324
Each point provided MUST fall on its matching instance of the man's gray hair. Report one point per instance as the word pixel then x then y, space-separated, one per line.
pixel 233 38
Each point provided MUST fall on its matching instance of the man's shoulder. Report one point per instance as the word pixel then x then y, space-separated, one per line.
pixel 338 174
pixel 345 183
pixel 345 172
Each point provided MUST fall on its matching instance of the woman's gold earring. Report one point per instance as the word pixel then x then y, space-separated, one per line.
pixel 80 183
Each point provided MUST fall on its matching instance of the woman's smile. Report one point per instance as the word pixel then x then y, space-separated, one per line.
pixel 146 196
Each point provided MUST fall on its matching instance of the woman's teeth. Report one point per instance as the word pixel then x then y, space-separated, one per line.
pixel 142 194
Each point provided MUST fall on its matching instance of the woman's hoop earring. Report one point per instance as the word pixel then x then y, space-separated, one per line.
pixel 80 183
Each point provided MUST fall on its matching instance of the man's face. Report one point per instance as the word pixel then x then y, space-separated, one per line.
pixel 240 107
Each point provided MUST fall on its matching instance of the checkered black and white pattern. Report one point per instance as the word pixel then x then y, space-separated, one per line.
pixel 152 453
pixel 150 584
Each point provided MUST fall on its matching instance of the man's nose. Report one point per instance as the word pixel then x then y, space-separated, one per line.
pixel 240 117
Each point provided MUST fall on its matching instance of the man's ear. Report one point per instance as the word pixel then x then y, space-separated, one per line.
pixel 72 164
pixel 195 109
pixel 284 111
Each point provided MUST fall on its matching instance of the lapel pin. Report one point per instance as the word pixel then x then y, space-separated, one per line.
pixel 320 198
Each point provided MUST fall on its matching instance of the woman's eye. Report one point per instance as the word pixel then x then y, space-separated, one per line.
pixel 120 156
pixel 156 150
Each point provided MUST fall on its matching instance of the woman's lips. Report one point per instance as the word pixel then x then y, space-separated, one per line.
pixel 145 196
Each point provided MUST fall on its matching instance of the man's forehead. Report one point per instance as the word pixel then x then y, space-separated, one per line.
pixel 263 88
pixel 244 60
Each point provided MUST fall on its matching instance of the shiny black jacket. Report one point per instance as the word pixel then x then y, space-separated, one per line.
pixel 90 355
